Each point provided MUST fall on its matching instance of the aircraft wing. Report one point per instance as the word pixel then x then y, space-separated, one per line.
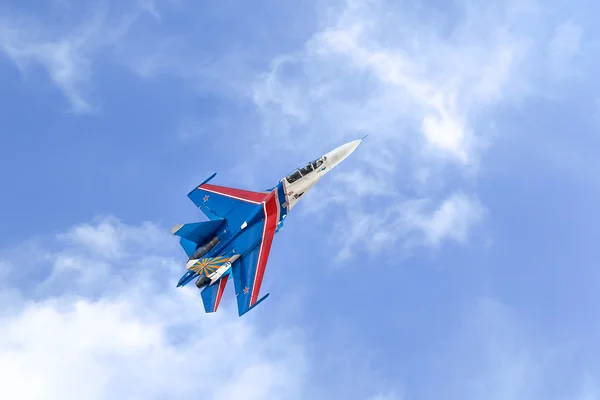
pixel 218 201
pixel 249 270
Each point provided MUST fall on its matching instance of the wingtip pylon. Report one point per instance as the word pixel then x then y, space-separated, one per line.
pixel 208 179
pixel 205 181
pixel 176 228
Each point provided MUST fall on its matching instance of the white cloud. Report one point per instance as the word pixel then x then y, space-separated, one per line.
pixel 132 347
pixel 374 68
pixel 136 335
pixel 150 7
pixel 420 86
pixel 453 219
pixel 92 324
pixel 68 51
pixel 411 223
pixel 64 59
pixel 110 238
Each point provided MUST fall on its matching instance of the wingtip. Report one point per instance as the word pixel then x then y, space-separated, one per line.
pixel 208 179
pixel 205 181
pixel 176 228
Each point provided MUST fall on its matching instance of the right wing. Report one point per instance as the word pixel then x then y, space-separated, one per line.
pixel 218 201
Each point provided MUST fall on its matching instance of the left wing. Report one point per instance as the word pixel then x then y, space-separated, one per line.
pixel 249 271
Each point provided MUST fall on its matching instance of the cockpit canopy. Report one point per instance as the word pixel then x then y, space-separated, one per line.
pixel 305 170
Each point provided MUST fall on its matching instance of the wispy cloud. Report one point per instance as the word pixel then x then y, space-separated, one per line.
pixel 67 51
pixel 151 7
pixel 453 219
pixel 109 238
pixel 420 86
pixel 65 59
pixel 372 67
pixel 411 223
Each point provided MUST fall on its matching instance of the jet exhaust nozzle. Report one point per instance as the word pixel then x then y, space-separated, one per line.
pixel 202 250
pixel 202 281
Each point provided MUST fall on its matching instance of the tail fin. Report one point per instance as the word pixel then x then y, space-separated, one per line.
pixel 196 233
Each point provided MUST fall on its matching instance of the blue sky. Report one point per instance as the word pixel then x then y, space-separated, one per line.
pixel 452 256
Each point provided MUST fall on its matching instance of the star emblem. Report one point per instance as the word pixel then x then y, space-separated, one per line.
pixel 246 290
pixel 205 198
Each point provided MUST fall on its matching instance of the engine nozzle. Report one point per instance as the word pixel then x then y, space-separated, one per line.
pixel 202 281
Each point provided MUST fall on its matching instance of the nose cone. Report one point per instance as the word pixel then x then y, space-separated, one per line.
pixel 336 156
pixel 188 276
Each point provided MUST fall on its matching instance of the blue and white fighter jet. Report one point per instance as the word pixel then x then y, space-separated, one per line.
pixel 237 239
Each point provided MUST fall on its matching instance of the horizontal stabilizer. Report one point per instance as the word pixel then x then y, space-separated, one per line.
pixel 211 295
pixel 188 246
pixel 197 232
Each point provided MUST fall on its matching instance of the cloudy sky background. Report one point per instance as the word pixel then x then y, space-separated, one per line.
pixel 452 256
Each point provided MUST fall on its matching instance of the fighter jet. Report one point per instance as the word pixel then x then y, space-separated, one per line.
pixel 237 239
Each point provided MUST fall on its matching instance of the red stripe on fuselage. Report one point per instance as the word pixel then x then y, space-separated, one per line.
pixel 220 290
pixel 278 214
pixel 238 194
pixel 270 208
